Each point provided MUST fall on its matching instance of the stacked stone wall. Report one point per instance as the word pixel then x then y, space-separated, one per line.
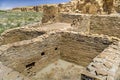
pixel 93 24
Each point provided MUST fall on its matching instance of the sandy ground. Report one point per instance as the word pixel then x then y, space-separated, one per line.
pixel 60 70
pixel 55 26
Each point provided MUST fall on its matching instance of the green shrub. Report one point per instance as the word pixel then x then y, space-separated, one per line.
pixel 18 18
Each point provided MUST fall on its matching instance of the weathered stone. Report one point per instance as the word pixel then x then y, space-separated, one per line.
pixel 110 78
pixel 19 34
pixel 98 59
pixel 36 8
pixel 105 24
pixel 101 72
pixel 107 6
pixel 53 13
pixel 108 65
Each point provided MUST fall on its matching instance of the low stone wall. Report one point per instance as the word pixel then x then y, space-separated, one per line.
pixel 97 24
pixel 68 17
pixel 106 65
pixel 19 34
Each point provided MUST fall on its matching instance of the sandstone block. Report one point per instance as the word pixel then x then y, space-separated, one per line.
pixel 101 72
pixel 108 64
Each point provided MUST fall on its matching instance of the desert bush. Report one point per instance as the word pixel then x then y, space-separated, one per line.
pixel 16 19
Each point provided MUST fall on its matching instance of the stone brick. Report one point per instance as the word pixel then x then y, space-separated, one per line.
pixel 101 72
pixel 108 65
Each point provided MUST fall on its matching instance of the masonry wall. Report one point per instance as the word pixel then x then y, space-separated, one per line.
pixel 68 17
pixel 90 51
pixel 97 24
pixel 107 25
pixel 30 56
pixel 19 34
pixel 106 65
pixel 81 49
pixel 50 13
pixel 9 74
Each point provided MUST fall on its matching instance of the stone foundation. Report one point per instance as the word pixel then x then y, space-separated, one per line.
pixel 30 56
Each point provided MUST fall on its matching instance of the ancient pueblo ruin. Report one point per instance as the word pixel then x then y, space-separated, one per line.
pixel 78 40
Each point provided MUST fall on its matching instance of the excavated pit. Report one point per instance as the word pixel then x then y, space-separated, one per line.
pixel 65 50
pixel 19 34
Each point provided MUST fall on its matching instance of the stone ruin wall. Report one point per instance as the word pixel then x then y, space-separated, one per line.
pixel 107 25
pixel 28 9
pixel 19 34
pixel 85 48
pixel 10 74
pixel 97 6
pixel 80 6
pixel 93 24
pixel 91 6
pixel 96 24
pixel 29 56
pixel 25 56
pixel 106 65
pixel 117 5
pixel 50 13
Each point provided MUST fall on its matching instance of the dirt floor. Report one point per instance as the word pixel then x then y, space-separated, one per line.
pixel 60 70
